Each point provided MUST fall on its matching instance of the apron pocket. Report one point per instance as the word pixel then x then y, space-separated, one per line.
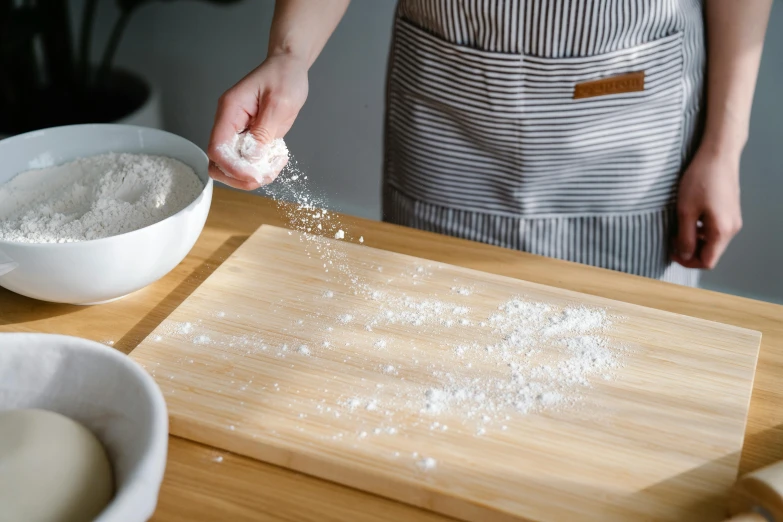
pixel 504 133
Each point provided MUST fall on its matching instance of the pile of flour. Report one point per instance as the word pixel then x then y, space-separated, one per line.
pixel 94 197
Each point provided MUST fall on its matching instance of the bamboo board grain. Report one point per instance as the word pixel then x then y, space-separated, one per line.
pixel 661 441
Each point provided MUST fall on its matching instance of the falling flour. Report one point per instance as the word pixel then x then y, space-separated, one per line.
pixel 94 197
pixel 306 211
pixel 262 162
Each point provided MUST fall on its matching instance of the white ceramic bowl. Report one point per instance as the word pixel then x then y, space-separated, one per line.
pixel 100 270
pixel 108 393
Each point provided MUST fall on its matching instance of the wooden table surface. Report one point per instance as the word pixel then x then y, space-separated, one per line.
pixel 199 488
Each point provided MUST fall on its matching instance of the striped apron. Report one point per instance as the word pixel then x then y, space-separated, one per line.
pixel 485 140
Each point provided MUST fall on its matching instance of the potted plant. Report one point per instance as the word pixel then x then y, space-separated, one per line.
pixel 47 78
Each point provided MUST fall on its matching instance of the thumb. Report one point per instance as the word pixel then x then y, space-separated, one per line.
pixel 263 128
pixel 686 233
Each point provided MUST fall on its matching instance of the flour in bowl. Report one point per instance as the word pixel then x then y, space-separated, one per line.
pixel 94 197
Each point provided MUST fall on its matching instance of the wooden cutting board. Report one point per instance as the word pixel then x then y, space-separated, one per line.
pixel 474 395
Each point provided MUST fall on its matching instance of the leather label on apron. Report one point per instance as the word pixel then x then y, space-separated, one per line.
pixel 629 82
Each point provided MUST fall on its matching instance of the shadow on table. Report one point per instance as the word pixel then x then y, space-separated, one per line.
pixel 707 508
pixel 169 303
pixel 762 449
pixel 18 309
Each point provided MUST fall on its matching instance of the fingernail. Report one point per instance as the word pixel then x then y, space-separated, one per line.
pixel 686 256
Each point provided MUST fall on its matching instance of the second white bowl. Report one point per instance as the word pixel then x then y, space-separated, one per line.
pixel 108 393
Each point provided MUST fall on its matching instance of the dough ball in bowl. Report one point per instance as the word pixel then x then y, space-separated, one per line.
pixel 108 394
pixel 51 469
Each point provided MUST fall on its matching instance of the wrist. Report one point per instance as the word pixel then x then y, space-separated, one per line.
pixel 716 159
pixel 285 50
pixel 725 136
pixel 291 48
pixel 721 147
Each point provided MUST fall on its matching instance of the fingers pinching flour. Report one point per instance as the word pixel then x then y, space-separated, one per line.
pixel 261 162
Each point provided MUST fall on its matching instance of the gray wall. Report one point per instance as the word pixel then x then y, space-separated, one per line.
pixel 193 51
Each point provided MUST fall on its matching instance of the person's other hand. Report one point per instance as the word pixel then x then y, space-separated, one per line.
pixel 264 103
pixel 708 209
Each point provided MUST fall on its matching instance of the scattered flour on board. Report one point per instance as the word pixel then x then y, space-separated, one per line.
pixel 533 357
pixel 546 356
pixel 94 197
pixel 185 328
pixel 426 464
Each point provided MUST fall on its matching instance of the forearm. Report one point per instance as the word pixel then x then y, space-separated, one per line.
pixel 735 37
pixel 301 27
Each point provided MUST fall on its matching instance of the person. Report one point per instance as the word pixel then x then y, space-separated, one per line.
pixel 603 132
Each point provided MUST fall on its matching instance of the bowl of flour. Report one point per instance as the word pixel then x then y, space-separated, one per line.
pixel 91 213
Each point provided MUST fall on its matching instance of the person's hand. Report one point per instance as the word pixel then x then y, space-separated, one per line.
pixel 708 208
pixel 264 103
